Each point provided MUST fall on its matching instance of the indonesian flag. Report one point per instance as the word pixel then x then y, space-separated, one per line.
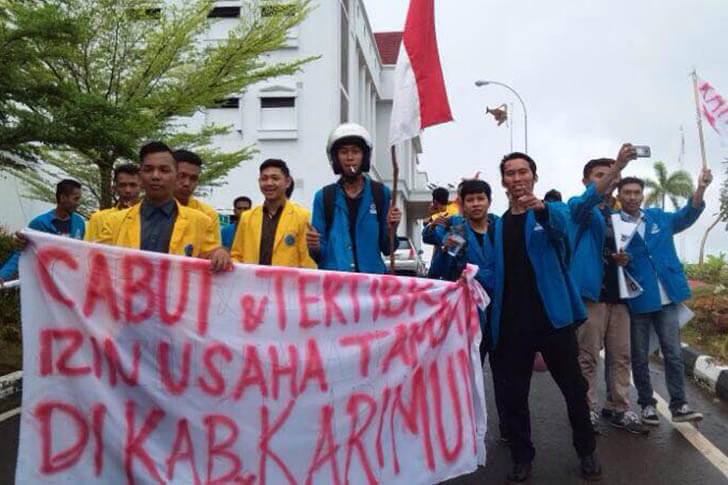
pixel 420 99
pixel 714 108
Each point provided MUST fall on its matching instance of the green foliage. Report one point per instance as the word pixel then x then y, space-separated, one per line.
pixel 724 196
pixel 130 72
pixel 10 354
pixel 668 185
pixel 714 270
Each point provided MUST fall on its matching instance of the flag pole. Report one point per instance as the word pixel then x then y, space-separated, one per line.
pixel 393 235
pixel 700 119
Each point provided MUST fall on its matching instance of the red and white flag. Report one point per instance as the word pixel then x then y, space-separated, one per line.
pixel 714 108
pixel 420 98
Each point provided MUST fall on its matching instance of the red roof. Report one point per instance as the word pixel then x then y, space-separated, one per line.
pixel 388 44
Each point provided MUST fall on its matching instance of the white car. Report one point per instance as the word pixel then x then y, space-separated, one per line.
pixel 407 260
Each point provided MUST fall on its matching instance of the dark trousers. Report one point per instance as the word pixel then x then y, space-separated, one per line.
pixel 497 389
pixel 513 367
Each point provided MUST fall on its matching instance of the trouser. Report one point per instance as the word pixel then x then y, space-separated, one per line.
pixel 608 324
pixel 666 325
pixel 497 388
pixel 514 366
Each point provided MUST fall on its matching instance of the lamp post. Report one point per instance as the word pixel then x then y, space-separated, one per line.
pixel 523 105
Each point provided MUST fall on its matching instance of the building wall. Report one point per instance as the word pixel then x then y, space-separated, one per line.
pixel 298 134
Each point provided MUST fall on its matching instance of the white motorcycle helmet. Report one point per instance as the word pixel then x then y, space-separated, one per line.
pixel 349 133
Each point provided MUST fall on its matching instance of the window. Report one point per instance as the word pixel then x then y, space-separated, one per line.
pixel 224 12
pixel 282 102
pixel 278 118
pixel 227 103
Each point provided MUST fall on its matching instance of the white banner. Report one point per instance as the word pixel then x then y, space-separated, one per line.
pixel 142 368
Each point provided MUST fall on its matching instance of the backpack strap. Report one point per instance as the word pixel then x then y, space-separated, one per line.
pixel 378 196
pixel 329 197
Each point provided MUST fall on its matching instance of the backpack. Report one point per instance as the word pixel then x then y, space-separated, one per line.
pixel 329 196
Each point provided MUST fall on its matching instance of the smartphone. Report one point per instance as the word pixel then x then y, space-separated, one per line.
pixel 643 151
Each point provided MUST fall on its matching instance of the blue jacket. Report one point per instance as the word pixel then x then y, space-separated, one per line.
pixel 655 257
pixel 481 257
pixel 546 246
pixel 587 234
pixel 371 237
pixel 42 223
pixel 228 234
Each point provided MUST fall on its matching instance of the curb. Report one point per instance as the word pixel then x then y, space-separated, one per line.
pixel 704 369
pixel 12 384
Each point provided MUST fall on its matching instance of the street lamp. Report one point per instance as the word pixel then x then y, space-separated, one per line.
pixel 523 105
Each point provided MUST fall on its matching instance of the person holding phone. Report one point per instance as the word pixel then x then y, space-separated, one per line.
pixel 594 267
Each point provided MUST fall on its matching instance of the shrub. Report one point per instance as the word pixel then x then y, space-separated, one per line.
pixel 714 270
pixel 10 354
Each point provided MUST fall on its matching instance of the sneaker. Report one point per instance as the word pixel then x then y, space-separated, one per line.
pixel 608 413
pixel 590 468
pixel 649 416
pixel 519 473
pixel 594 418
pixel 684 413
pixel 628 421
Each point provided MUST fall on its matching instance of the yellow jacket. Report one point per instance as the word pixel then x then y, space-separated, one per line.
pixel 452 209
pixel 209 212
pixel 192 229
pixel 96 223
pixel 289 247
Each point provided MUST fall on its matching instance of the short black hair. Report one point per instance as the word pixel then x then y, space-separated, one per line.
pixel 597 162
pixel 187 157
pixel 127 168
pixel 275 163
pixel 515 155
pixel 154 147
pixel 441 195
pixel 473 186
pixel 631 180
pixel 289 190
pixel 66 187
pixel 243 198
pixel 553 195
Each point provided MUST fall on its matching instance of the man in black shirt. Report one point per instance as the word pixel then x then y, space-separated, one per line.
pixel 594 268
pixel 535 307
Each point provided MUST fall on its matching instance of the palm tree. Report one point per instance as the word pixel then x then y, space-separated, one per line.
pixel 668 185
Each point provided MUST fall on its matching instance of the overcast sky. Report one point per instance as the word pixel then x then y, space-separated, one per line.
pixel 592 75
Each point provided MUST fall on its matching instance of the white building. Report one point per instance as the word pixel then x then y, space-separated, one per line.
pixel 291 117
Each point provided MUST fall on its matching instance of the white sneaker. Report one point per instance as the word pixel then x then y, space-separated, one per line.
pixel 649 415
pixel 684 413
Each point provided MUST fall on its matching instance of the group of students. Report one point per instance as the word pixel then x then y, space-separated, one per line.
pixel 351 225
pixel 551 269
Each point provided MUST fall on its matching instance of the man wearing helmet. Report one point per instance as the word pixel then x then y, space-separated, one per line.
pixel 352 218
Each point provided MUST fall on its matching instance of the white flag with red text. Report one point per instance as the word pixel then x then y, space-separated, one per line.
pixel 714 108
pixel 420 98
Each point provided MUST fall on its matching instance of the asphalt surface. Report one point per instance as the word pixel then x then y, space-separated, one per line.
pixel 663 457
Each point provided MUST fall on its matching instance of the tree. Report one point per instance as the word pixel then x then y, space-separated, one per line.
pixel 132 72
pixel 30 33
pixel 668 185
pixel 720 216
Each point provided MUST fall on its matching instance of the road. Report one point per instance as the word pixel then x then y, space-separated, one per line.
pixel 663 457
